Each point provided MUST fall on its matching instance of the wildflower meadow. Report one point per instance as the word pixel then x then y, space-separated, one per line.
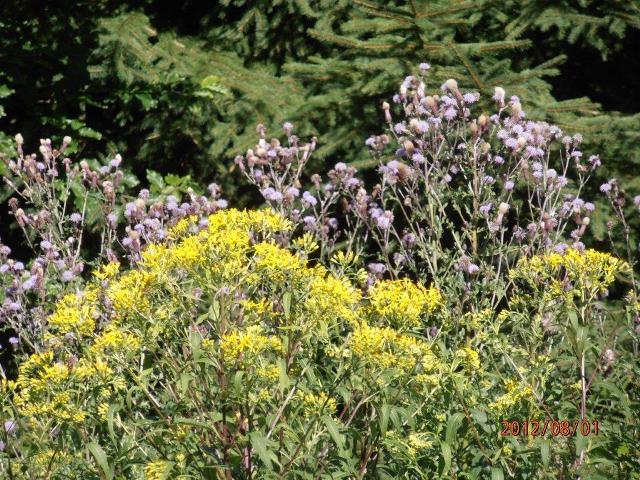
pixel 444 314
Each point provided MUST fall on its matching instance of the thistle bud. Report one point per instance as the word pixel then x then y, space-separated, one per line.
pixel 503 208
pixel 409 147
pixel 499 94
pixel 431 102
pixel 516 108
pixel 451 84
pixel 483 120
pixel 586 221
pixel 19 139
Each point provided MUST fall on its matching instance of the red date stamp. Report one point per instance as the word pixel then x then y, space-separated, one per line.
pixel 555 428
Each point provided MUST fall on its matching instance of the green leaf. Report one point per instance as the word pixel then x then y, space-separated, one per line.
pixel 544 453
pixel 497 473
pixel 332 428
pixel 446 456
pixel 101 458
pixel 113 408
pixel 259 444
pixel 453 425
pixel 286 304
pixel 156 181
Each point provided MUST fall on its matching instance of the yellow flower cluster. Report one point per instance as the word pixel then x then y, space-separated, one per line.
pixel 73 314
pixel 106 272
pixel 402 303
pixel 332 299
pixel 515 392
pixel 387 348
pixel 129 293
pixel 316 404
pixel 570 274
pixel 252 342
pixel 157 470
pixel 114 340
pixel 469 357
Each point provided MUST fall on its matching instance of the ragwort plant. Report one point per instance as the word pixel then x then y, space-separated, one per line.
pixel 226 355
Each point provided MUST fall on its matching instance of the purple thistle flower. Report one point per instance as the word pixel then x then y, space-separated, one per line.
pixel 605 187
pixel 595 161
pixel 636 201
pixel 377 268
pixel 450 113
pixel 498 160
pixel 353 182
pixel 472 269
pixel 508 185
pixel 383 222
pixel 14 341
pixel 308 199
pixel 29 283
pixel 486 208
pixel 418 158
pixel 400 128
pixel 422 126
pixel 15 307
pixel 488 180
pixel 470 97
pixel 10 426
pixel 409 239
pixel 424 66
pixel 67 275
pixel 560 248
pixel 18 266
pixel 511 142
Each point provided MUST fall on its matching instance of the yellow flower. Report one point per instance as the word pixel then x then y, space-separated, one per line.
pixel 73 314
pixel 103 409
pixel 331 299
pixel 315 404
pixel 252 341
pixel 387 348
pixel 157 470
pixel 108 271
pixel 114 340
pixel 515 393
pixel 570 274
pixel 470 357
pixel 402 303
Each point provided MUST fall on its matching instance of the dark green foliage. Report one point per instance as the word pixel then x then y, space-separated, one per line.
pixel 178 87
